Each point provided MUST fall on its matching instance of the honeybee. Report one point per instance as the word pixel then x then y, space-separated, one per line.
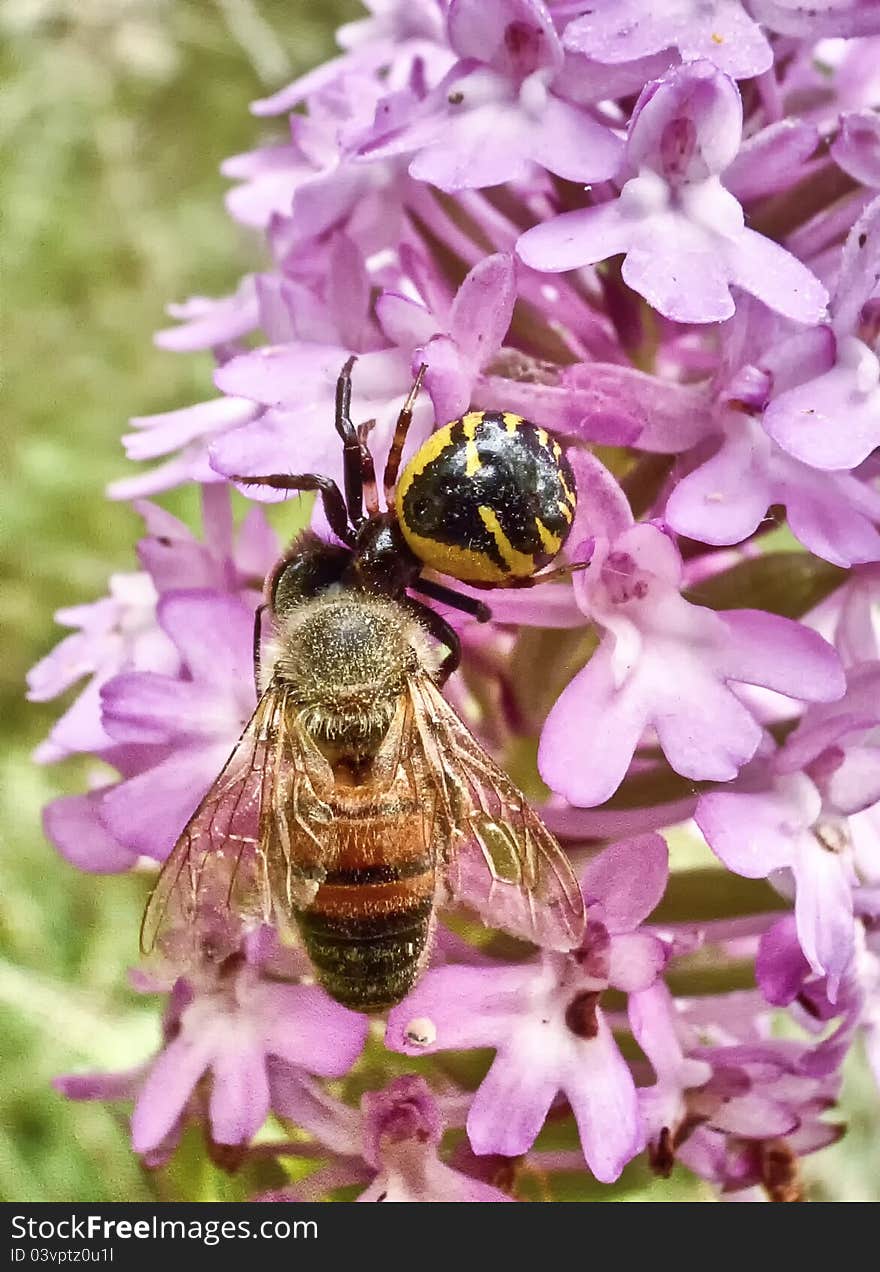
pixel 356 800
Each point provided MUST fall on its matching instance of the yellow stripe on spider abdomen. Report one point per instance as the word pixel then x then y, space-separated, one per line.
pixel 488 499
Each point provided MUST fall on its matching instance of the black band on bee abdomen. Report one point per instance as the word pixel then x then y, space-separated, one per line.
pixel 369 960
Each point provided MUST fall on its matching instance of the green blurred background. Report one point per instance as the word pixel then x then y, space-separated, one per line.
pixel 114 117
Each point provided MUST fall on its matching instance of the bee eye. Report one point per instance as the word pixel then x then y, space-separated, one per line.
pixel 311 568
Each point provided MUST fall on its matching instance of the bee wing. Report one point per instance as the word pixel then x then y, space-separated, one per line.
pixel 218 880
pixel 500 858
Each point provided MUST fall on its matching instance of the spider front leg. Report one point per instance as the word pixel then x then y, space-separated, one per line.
pixel 331 497
pixel 550 576
pixel 404 419
pixel 357 462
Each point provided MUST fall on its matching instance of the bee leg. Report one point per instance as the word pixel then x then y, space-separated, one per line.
pixel 257 642
pixel 404 419
pixel 356 459
pixel 331 497
pixel 455 600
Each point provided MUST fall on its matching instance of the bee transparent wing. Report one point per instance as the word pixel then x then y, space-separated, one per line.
pixel 215 883
pixel 500 858
pixel 295 822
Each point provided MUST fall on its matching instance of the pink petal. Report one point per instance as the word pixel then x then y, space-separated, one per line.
pixel 70 660
pixel 511 1104
pixel 676 265
pixel 629 879
pixel 855 785
pixel 592 732
pixel 213 322
pixel 778 653
pixel 484 146
pixel 466 1007
pixel 700 96
pixel 164 1094
pixel 148 812
pixel 276 375
pixel 573 145
pixel 214 634
pixel 257 548
pixel 766 270
pixel 833 516
pixel 307 1104
pixel 780 967
pixel 827 422
pixel 483 308
pixel 823 910
pixel 603 511
pixel 636 960
pixel 576 238
pixel 449 379
pixel 667 418
pixel 845 17
pixel 753 834
pixel 754 1117
pixel 310 1030
pixel 724 500
pixel 73 825
pixel 405 322
pixel 652 1015
pixel 859 274
pixel 141 706
pixel 477 29
pixel 239 1102
pixel 81 728
pixel 704 730
pixel 771 158
pixel 266 445
pixel 856 148
pixel 158 434
pixel 603 1098
pixel 621 30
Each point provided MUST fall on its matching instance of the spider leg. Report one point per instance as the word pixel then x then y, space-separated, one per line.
pixel 551 576
pixel 404 419
pixel 353 450
pixel 446 595
pixel 368 470
pixel 442 632
pixel 331 497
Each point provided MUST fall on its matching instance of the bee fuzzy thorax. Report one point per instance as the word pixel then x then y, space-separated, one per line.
pixel 344 658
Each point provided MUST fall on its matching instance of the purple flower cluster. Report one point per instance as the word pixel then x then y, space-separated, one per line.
pixel 653 230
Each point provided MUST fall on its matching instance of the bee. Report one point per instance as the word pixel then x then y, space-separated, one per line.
pixel 356 799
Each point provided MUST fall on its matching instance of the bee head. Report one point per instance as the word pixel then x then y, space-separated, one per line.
pixel 346 656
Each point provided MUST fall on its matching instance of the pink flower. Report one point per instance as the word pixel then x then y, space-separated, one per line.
pixel 667 665
pixel 179 728
pixel 683 235
pixel 544 1020
pixel 495 117
pixel 832 421
pixel 720 30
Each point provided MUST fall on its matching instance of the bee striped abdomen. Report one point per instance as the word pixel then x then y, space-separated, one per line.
pixel 367 930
